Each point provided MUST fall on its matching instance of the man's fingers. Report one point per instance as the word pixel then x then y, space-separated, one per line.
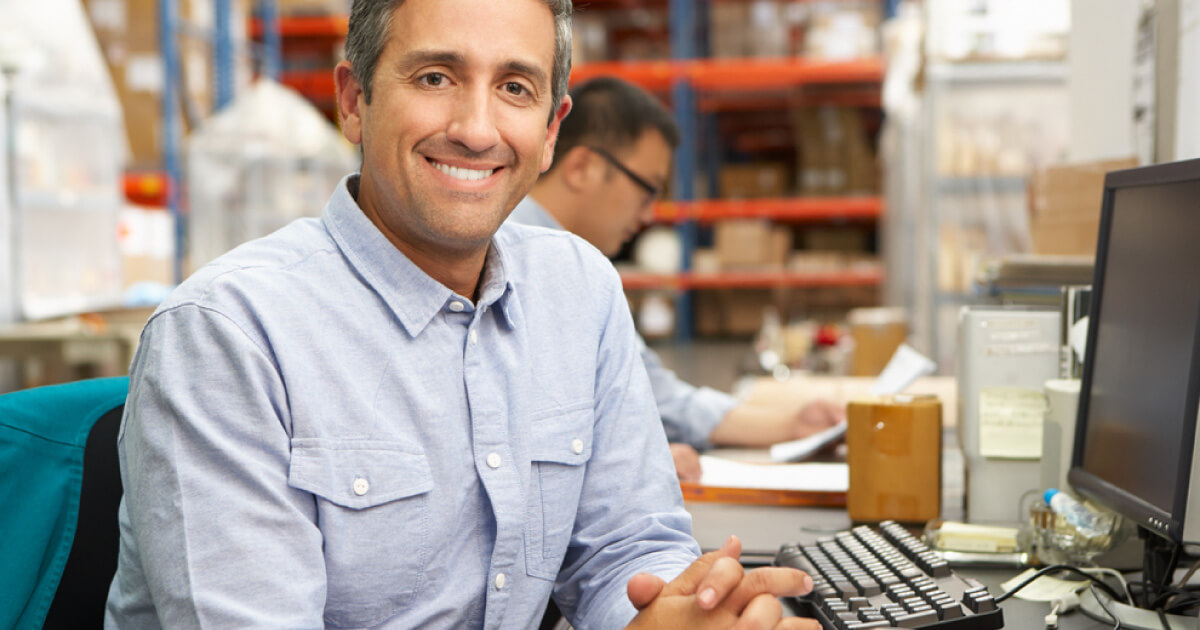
pixel 762 613
pixel 644 588
pixel 724 575
pixel 690 579
pixel 798 623
pixel 774 581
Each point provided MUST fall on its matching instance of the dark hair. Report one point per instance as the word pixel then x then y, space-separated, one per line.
pixel 612 114
pixel 371 20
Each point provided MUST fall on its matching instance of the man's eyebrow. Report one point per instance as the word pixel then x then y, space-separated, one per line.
pixel 451 58
pixel 421 57
pixel 533 72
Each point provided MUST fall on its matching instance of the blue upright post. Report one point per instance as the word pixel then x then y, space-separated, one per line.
pixel 168 27
pixel 683 98
pixel 222 54
pixel 268 15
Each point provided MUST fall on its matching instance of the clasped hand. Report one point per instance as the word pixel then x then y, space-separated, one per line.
pixel 716 592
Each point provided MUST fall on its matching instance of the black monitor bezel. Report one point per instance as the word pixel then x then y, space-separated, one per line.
pixel 1169 525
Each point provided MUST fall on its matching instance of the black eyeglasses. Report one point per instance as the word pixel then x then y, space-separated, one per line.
pixel 652 191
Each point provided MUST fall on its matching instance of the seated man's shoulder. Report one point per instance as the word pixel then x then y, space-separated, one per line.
pixel 541 251
pixel 271 265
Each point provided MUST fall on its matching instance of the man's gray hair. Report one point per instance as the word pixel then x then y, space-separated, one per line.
pixel 371 20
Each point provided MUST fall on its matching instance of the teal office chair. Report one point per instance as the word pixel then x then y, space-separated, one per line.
pixel 60 486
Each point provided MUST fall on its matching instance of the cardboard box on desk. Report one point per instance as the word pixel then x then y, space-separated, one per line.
pixel 894 449
pixel 1066 206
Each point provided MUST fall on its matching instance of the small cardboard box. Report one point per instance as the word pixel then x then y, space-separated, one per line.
pixel 894 451
pixel 1066 206
pixel 751 181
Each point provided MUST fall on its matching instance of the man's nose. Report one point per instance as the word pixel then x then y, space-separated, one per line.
pixel 474 124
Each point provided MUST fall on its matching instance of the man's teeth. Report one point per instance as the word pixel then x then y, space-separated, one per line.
pixel 462 173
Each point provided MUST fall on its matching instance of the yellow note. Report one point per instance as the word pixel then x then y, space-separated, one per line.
pixel 1010 422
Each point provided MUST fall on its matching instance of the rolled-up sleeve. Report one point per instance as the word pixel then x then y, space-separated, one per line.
pixel 630 517
pixel 223 540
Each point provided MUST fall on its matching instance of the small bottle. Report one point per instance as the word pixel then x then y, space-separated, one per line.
pixel 1088 522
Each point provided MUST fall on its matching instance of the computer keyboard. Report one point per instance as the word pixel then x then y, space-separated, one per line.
pixel 886 578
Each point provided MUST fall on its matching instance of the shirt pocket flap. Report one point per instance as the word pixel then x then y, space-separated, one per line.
pixel 564 438
pixel 359 474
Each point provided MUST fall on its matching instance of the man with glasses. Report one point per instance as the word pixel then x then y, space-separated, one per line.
pixel 611 162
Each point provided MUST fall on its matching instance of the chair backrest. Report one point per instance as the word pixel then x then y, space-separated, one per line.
pixel 59 476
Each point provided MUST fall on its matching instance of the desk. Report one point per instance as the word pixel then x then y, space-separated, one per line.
pixel 54 347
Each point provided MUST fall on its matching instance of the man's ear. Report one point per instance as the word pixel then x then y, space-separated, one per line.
pixel 579 170
pixel 350 101
pixel 552 133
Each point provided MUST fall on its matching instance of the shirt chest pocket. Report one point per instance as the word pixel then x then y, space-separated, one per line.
pixel 373 511
pixel 560 446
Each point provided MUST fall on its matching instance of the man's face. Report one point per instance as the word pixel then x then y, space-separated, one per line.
pixel 456 131
pixel 621 206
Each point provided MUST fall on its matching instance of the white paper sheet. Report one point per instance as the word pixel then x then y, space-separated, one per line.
pixel 815 477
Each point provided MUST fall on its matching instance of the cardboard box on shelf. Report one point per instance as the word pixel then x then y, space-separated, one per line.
pixel 708 313
pixel 744 310
pixel 741 243
pixel 729 30
pixel 841 239
pixel 1066 206
pixel 127 32
pixel 749 181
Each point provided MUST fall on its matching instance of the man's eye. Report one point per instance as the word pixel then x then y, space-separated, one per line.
pixel 433 79
pixel 516 89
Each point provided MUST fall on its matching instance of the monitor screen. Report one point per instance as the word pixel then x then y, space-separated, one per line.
pixel 1137 403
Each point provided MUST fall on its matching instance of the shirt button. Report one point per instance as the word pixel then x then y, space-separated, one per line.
pixel 500 579
pixel 457 306
pixel 474 337
pixel 493 460
pixel 577 445
pixel 361 486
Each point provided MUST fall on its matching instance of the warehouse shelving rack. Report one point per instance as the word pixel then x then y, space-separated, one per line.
pixel 167 185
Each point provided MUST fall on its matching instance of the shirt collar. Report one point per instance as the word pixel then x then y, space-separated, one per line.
pixel 409 292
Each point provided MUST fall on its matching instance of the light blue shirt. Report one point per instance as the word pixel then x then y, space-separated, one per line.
pixel 689 413
pixel 319 434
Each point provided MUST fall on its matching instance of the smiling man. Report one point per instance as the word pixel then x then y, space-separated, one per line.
pixel 401 414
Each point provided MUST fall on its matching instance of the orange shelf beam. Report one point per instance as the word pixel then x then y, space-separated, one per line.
pixel 306 26
pixel 750 280
pixel 791 209
pixel 316 85
pixel 651 75
pixel 765 74
pixel 790 279
pixel 736 74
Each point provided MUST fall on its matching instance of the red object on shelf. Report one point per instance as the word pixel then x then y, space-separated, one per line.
pixel 651 75
pixel 750 280
pixel 146 188
pixel 790 209
pixel 306 26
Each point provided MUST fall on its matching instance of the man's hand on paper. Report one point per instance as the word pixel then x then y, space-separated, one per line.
pixel 817 416
pixel 687 463
pixel 716 592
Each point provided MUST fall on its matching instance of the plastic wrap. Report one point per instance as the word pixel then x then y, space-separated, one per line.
pixel 68 149
pixel 266 159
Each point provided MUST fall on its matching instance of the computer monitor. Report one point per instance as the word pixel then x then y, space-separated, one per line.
pixel 1135 438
